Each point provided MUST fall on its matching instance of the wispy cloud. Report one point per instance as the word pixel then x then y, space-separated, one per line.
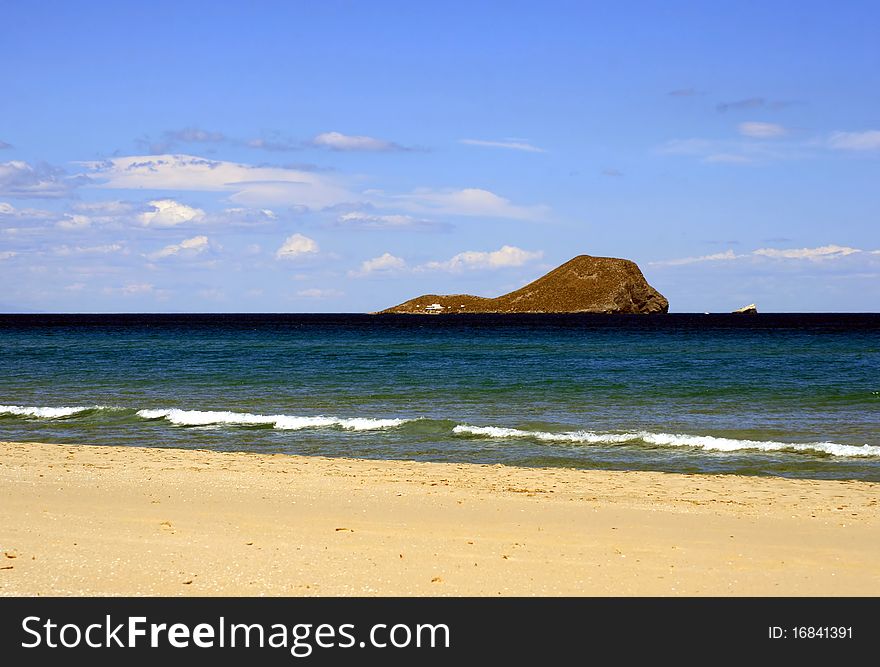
pixel 136 289
pixel 39 181
pixel 855 141
pixel 753 147
pixel 395 221
pixel 74 222
pixel 296 246
pixel 747 103
pixel 106 208
pixel 516 145
pixel 383 264
pixel 104 249
pixel 819 254
pixel 170 139
pixel 10 212
pixel 759 130
pixel 468 202
pixel 750 103
pixel 247 184
pixel 266 187
pixel 506 256
pixel 186 248
pixel 814 254
pixel 275 144
pixel 195 135
pixel 747 150
pixel 7 254
pixel 684 92
pixel 319 293
pixel 4 145
pixel 716 257
pixel 244 217
pixel 336 141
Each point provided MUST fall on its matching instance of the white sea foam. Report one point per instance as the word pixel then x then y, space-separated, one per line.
pixel 707 442
pixel 569 436
pixel 284 422
pixel 44 412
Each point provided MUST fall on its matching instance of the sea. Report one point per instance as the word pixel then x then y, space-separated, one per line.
pixel 790 395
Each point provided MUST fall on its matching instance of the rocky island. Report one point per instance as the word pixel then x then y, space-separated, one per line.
pixel 584 284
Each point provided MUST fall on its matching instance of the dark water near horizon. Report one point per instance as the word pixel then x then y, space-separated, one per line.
pixel 792 395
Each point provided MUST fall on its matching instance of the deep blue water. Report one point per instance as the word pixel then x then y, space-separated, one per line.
pixel 793 395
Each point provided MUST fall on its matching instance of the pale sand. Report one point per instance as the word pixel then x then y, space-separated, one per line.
pixel 78 520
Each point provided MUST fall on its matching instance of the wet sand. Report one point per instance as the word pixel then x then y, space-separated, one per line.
pixel 81 520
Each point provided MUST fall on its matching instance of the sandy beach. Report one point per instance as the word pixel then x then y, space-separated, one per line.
pixel 85 520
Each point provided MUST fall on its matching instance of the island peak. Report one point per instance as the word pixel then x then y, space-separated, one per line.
pixel 584 284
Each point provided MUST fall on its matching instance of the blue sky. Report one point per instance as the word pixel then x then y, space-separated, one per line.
pixel 344 157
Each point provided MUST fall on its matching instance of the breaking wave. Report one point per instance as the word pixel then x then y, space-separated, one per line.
pixel 46 413
pixel 284 422
pixel 706 442
pixel 434 427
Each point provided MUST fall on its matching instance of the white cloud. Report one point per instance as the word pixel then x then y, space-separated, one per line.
pixel 823 252
pixel 855 141
pixel 112 207
pixel 336 141
pixel 189 247
pixel 718 256
pixel 105 210
pixel 212 294
pixel 469 202
pixel 74 221
pixel 296 246
pixel 9 211
pixel 7 254
pixel 26 181
pixel 171 138
pixel 168 213
pixel 132 289
pixel 273 144
pixel 509 144
pixel 253 185
pixel 737 151
pixel 265 186
pixel 245 216
pixel 362 220
pixel 384 263
pixel 506 256
pixel 194 134
pixel 106 249
pixel 85 215
pixel 316 293
pixel 761 130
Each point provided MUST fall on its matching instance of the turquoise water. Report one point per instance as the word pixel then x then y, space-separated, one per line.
pixel 792 395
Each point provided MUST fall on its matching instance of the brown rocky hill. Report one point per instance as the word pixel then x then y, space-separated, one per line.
pixel 584 284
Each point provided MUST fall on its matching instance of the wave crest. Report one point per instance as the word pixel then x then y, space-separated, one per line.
pixel 283 422
pixel 706 442
pixel 45 412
